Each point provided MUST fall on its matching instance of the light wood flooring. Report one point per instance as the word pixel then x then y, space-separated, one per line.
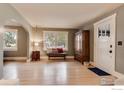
pixel 54 72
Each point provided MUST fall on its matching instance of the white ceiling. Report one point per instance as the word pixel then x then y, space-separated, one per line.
pixel 62 15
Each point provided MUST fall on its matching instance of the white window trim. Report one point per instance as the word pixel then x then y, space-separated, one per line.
pixel 11 48
pixel 65 49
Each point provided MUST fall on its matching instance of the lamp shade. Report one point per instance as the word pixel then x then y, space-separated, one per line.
pixel 36 44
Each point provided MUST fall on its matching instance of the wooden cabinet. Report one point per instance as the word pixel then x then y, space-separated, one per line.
pixel 82 46
pixel 35 55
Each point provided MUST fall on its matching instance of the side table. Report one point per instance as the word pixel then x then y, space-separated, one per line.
pixel 35 56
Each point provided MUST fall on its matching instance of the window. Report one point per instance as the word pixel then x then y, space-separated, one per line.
pixel 10 40
pixel 55 39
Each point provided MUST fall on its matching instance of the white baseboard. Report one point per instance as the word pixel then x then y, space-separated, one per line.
pixel 118 75
pixel 9 82
pixel 15 58
pixel 44 57
pixel 70 57
pixel 28 60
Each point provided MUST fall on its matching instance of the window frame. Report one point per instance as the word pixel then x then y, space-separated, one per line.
pixel 44 47
pixel 11 48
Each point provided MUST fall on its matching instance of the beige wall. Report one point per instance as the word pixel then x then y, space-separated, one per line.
pixel 7 12
pixel 119 67
pixel 38 36
pixel 21 41
pixel 10 13
pixel 120 37
pixel 89 25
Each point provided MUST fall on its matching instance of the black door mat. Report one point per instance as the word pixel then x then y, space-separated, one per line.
pixel 99 71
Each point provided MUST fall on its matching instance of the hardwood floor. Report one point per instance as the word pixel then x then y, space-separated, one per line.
pixel 54 72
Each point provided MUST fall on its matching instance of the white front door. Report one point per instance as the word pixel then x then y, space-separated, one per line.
pixel 104 44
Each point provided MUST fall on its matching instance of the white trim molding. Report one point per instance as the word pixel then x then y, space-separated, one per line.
pixel 9 82
pixel 118 75
pixel 101 65
pixel 15 58
pixel 29 60
pixel 70 57
pixel 113 17
pixel 15 48
pixel 105 19
pixel 56 35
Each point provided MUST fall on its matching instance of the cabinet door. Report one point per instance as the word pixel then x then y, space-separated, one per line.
pixel 78 42
pixel 86 45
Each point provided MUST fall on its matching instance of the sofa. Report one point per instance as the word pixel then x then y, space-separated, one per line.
pixel 56 52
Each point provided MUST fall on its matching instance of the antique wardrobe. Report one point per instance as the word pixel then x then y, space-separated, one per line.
pixel 82 46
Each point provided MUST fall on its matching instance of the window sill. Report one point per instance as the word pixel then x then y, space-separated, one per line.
pixel 51 49
pixel 10 49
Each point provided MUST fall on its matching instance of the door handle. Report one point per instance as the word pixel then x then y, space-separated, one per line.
pixel 110 51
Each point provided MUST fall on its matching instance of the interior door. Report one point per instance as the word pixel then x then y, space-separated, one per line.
pixel 105 44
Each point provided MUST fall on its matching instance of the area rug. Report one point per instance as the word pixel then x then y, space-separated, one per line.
pixel 98 71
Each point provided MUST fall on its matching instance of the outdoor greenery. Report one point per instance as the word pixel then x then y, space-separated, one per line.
pixel 55 39
pixel 10 39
